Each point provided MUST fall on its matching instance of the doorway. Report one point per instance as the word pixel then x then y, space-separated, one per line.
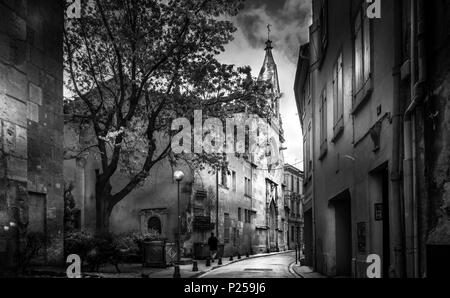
pixel 379 188
pixel 308 238
pixel 343 230
pixel 386 227
pixel 272 227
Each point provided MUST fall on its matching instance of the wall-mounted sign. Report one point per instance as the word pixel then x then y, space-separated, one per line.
pixel 378 212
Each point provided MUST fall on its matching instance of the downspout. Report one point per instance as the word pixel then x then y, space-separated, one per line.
pixel 251 209
pixel 396 212
pixel 418 80
pixel 420 93
pixel 313 181
pixel 408 154
pixel 217 205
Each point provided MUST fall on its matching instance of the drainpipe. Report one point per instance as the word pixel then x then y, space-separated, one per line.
pixel 408 159
pixel 217 205
pixel 251 209
pixel 313 179
pixel 396 212
pixel 420 94
pixel 418 80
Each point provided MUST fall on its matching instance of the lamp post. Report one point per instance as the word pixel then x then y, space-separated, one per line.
pixel 178 176
pixel 217 204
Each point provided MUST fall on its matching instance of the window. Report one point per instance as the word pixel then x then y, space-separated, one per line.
pixel 154 225
pixel 233 180
pixel 292 183
pixel 362 52
pixel 338 97
pixel 292 208
pixel 323 124
pixel 226 228
pixel 239 214
pixel 308 151
pixel 247 140
pixel 306 94
pixel 406 35
pixel 248 187
pixel 308 89
pixel 298 185
pixel 248 216
pixel 223 177
pixel 323 27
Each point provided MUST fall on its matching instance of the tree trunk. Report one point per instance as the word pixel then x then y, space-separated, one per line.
pixel 103 209
pixel 103 214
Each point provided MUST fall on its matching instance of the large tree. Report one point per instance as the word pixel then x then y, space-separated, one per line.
pixel 132 66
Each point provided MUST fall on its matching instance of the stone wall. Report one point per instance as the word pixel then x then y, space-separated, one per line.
pixel 31 125
pixel 436 207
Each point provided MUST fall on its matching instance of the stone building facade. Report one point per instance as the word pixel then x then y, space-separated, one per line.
pixel 293 204
pixel 371 99
pixel 250 196
pixel 434 214
pixel 31 127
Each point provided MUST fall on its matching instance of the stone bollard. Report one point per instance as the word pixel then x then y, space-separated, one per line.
pixel 231 258
pixel 247 255
pixel 208 262
pixel 220 261
pixel 194 266
pixel 176 273
pixel 239 256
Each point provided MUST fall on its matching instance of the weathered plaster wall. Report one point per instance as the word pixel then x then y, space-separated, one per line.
pixel 350 158
pixel 438 123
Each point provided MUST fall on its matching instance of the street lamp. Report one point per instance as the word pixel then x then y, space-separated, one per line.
pixel 178 176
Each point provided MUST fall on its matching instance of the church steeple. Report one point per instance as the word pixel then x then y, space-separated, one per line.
pixel 269 72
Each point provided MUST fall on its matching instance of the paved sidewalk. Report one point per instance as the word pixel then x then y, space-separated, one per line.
pixel 306 272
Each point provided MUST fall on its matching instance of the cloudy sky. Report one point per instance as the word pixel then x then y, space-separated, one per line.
pixel 289 21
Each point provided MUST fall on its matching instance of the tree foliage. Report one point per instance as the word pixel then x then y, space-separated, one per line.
pixel 132 66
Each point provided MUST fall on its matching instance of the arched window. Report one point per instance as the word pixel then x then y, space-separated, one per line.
pixel 154 223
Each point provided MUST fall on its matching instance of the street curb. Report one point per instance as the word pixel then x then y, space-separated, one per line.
pixel 200 274
pixel 293 272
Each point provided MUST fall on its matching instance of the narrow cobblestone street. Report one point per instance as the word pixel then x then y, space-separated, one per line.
pixel 272 266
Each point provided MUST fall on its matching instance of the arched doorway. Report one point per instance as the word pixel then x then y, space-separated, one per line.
pixel 154 225
pixel 272 226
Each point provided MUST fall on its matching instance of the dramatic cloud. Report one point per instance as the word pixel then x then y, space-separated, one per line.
pixel 290 21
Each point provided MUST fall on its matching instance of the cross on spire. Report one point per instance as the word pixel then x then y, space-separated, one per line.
pixel 268 42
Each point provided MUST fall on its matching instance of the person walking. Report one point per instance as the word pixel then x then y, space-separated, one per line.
pixel 212 243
